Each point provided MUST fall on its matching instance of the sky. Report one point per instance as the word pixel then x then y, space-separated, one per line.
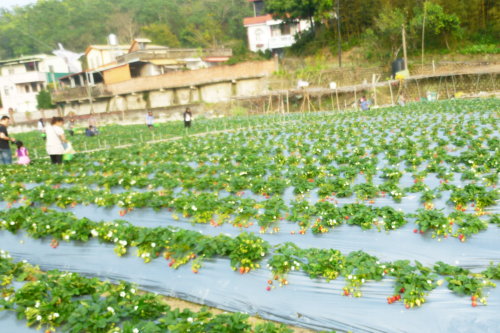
pixel 11 3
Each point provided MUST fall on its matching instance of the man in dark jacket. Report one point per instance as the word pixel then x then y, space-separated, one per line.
pixel 5 139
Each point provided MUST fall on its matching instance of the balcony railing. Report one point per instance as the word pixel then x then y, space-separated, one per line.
pixel 81 93
pixel 174 54
pixel 28 77
pixel 278 42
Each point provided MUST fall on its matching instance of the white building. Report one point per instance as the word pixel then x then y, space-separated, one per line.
pixel 265 33
pixel 23 78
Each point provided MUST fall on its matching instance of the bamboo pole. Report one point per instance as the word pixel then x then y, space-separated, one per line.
pixel 287 102
pixel 392 95
pixel 446 85
pixel 337 94
pixel 454 87
pixel 355 99
pixel 418 90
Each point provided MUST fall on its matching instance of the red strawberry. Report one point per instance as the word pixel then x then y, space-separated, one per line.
pixel 268 288
pixel 415 230
pixel 242 270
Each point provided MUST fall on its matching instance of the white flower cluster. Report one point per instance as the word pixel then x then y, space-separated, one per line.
pixel 4 254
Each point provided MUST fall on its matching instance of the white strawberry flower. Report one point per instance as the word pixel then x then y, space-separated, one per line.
pixel 190 320
pixel 94 233
pixel 110 309
pixel 135 330
pixel 123 294
pixel 39 318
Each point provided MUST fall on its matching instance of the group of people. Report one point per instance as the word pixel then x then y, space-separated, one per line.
pixel 55 142
pixel 187 115
pixel 55 138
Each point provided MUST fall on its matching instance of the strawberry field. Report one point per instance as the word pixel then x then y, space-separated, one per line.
pixel 365 222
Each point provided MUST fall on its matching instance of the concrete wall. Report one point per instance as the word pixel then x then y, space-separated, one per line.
pixel 215 93
pixel 198 77
pixel 250 87
pixel 159 99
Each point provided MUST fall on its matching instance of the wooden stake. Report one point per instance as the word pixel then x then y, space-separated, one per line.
pixel 392 96
pixel 355 99
pixel 287 102
pixel 439 87
pixel 446 85
pixel 337 94
pixel 477 83
pixel 454 88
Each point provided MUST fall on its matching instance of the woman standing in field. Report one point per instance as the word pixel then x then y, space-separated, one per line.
pixel 55 140
pixel 188 117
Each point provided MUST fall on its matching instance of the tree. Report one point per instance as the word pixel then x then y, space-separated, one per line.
pixel 44 100
pixel 388 30
pixel 440 25
pixel 124 26
pixel 290 10
pixel 160 33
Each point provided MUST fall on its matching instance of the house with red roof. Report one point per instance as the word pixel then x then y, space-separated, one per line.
pixel 266 33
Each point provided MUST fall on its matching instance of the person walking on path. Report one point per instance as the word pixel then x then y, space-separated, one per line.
pixel 188 118
pixel 150 119
pixel 56 140
pixel 23 157
pixel 5 140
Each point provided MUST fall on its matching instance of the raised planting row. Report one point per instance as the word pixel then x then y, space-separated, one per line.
pixel 73 303
pixel 321 217
pixel 412 282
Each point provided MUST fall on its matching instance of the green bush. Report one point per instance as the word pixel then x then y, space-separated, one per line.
pixel 481 49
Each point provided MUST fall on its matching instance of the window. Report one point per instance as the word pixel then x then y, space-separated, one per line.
pixel 286 29
pixel 31 66
pixel 6 91
pixel 34 87
pixel 27 88
pixel 258 35
pixel 275 31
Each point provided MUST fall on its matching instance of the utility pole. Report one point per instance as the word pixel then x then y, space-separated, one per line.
pixel 404 48
pixel 339 34
pixel 423 34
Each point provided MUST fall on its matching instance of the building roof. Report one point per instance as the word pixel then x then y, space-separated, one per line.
pixel 23 59
pixel 106 47
pixel 257 19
